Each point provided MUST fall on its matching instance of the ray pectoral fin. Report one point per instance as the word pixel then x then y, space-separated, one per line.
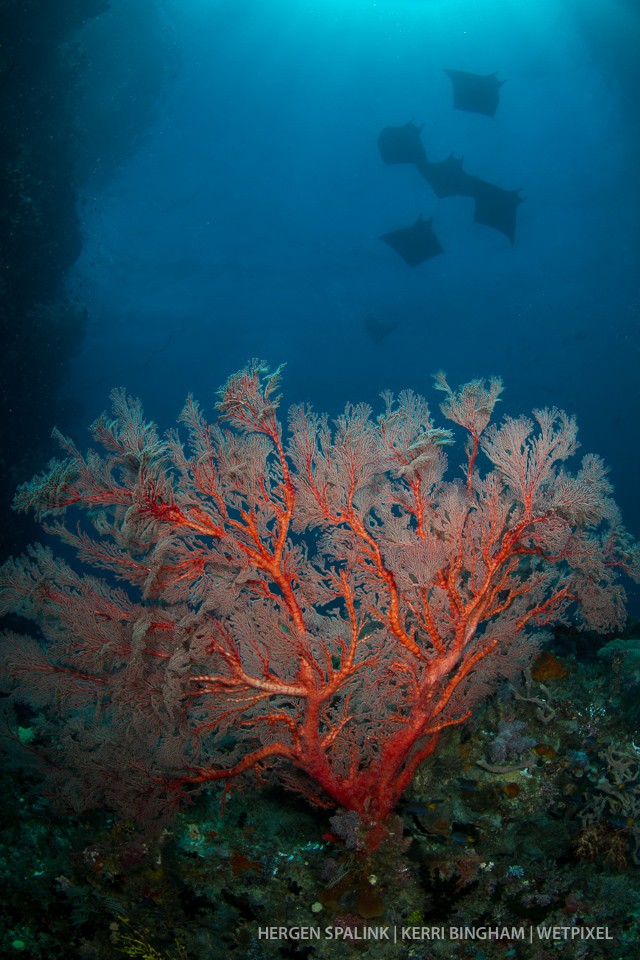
pixel 414 244
pixel 378 329
pixel 474 92
pixel 447 178
pixel 496 207
pixel 402 144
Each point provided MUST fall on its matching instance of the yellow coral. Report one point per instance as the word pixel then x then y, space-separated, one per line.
pixel 135 944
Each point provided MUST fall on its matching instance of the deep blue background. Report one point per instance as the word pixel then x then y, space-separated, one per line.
pixel 247 222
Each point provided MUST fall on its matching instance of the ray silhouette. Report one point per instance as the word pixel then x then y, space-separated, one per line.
pixel 414 244
pixel 474 92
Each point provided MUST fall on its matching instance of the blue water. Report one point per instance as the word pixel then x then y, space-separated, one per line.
pixel 247 222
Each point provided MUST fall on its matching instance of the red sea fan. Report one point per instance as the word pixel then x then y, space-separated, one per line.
pixel 316 606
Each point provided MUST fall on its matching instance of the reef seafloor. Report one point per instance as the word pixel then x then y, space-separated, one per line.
pixel 520 837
